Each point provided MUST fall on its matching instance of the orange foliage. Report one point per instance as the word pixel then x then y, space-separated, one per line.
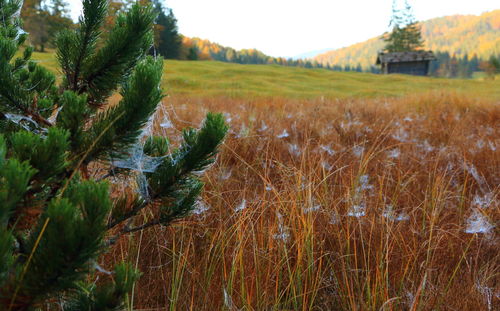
pixel 460 34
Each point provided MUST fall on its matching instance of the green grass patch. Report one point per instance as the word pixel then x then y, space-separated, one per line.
pixel 210 78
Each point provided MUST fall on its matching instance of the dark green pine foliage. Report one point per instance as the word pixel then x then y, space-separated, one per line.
pixel 406 34
pixel 168 40
pixel 192 54
pixel 495 63
pixel 56 213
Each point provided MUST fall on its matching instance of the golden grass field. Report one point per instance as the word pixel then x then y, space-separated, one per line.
pixel 333 191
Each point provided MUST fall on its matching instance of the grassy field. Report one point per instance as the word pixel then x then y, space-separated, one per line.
pixel 333 191
pixel 207 78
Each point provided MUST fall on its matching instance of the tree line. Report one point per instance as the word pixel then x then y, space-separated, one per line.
pixel 446 65
pixel 43 19
pixel 452 66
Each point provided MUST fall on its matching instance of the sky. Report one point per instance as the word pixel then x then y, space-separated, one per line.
pixel 291 27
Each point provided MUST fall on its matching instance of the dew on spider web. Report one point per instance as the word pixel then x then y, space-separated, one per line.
pixel 357 210
pixel 394 153
pixel 313 206
pixel 283 134
pixel 391 215
pixel 294 149
pixel 478 223
pixel 241 206
pixel 263 127
pixel 26 123
pixel 283 231
pixel 328 149
pixel 226 174
pixel 200 207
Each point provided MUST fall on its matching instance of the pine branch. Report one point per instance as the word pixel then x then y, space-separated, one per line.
pixel 108 296
pixel 128 42
pixel 49 204
pixel 74 49
pixel 141 227
pixel 136 207
pixel 140 96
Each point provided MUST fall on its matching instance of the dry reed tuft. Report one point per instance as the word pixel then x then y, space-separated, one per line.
pixel 380 204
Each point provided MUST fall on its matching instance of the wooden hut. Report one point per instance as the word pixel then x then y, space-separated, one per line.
pixel 412 63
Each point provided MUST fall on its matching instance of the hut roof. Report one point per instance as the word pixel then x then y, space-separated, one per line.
pixel 401 57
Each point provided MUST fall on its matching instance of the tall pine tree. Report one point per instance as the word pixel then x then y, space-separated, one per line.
pixel 168 41
pixel 56 212
pixel 406 34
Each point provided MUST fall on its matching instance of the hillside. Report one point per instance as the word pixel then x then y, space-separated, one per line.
pixel 460 34
pixel 207 50
pixel 210 78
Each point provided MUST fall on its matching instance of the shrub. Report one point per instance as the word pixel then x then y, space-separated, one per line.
pixel 56 211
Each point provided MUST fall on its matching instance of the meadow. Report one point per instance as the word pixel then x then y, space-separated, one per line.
pixel 333 191
pixel 229 80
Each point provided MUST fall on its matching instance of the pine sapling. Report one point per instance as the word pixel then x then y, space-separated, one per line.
pixel 56 212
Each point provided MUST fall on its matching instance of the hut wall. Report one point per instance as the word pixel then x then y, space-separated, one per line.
pixel 418 68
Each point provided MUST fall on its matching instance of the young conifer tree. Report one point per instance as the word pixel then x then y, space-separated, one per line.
pixel 56 212
pixel 406 33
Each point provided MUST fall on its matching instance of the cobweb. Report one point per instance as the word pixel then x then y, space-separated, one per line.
pixel 139 162
pixel 26 123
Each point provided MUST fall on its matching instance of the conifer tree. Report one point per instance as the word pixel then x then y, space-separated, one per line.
pixel 168 41
pixel 192 54
pixel 56 212
pixel 406 34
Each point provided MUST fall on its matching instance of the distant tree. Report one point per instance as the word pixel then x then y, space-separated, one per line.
pixel 495 62
pixel 406 33
pixel 35 18
pixel 230 55
pixel 464 67
pixel 192 54
pixel 168 41
pixel 43 20
pixel 374 69
pixel 490 67
pixel 474 63
pixel 58 19
pixel 453 66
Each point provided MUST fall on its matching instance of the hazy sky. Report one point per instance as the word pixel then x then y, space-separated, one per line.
pixel 292 27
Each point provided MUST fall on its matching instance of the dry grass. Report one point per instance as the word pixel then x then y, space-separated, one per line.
pixel 363 206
